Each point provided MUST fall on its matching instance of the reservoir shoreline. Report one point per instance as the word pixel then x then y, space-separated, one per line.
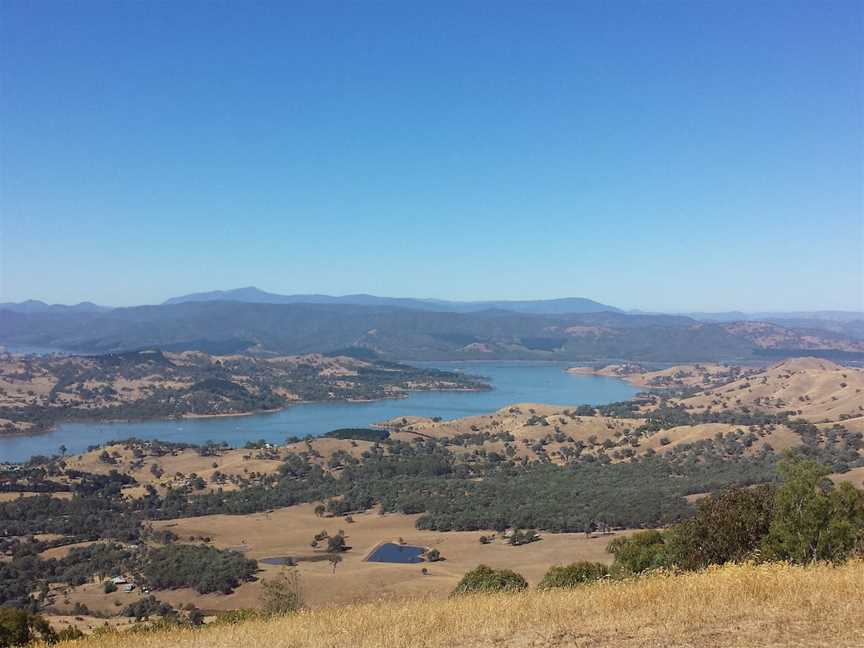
pixel 511 382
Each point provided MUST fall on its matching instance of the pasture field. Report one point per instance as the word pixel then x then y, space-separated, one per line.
pixel 289 531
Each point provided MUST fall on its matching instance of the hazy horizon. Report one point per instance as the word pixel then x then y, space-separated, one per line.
pixel 670 157
pixel 624 307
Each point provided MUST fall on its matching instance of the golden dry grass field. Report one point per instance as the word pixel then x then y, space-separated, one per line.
pixel 289 531
pixel 743 606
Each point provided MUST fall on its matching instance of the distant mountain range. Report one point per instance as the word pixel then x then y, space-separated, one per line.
pixel 252 295
pixel 847 322
pixel 397 332
pixel 735 316
pixel 36 306
pixel 404 328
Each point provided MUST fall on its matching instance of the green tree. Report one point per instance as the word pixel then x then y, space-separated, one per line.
pixel 18 628
pixel 813 519
pixel 336 543
pixel 727 527
pixel 639 552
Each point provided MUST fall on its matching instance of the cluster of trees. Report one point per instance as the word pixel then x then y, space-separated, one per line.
pixel 204 568
pixel 359 434
pixel 22 628
pixel 144 608
pixel 26 573
pixel 453 491
pixel 806 518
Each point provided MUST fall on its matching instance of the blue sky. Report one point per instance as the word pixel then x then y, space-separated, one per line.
pixel 657 155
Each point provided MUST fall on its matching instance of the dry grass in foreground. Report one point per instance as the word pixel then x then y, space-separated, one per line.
pixel 735 605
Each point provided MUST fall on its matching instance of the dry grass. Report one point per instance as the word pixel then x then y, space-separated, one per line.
pixel 287 532
pixel 734 605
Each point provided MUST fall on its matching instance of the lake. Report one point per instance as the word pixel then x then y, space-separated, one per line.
pixel 512 382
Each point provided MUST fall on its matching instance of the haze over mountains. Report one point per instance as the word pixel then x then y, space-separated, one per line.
pixel 544 306
pixel 36 306
pixel 418 329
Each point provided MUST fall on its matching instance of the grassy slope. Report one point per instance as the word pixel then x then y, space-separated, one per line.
pixel 734 605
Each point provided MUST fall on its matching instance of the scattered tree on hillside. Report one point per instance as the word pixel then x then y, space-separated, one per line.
pixel 283 593
pixel 336 543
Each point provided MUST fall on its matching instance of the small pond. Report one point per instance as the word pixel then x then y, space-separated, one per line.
pixel 390 552
pixel 278 560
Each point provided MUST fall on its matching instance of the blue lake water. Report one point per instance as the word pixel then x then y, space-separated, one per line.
pixel 512 382
pixel 390 552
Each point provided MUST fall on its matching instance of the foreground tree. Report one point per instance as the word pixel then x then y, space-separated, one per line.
pixel 19 628
pixel 639 552
pixel 728 527
pixel 813 519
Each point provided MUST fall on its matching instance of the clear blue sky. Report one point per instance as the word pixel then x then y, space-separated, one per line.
pixel 655 155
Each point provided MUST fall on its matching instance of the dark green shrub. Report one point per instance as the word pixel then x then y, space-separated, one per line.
pixel 573 575
pixel 639 552
pixel 486 579
pixel 18 628
pixel 726 528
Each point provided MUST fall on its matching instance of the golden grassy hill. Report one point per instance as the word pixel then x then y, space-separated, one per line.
pixel 735 605
pixel 819 390
pixel 690 375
